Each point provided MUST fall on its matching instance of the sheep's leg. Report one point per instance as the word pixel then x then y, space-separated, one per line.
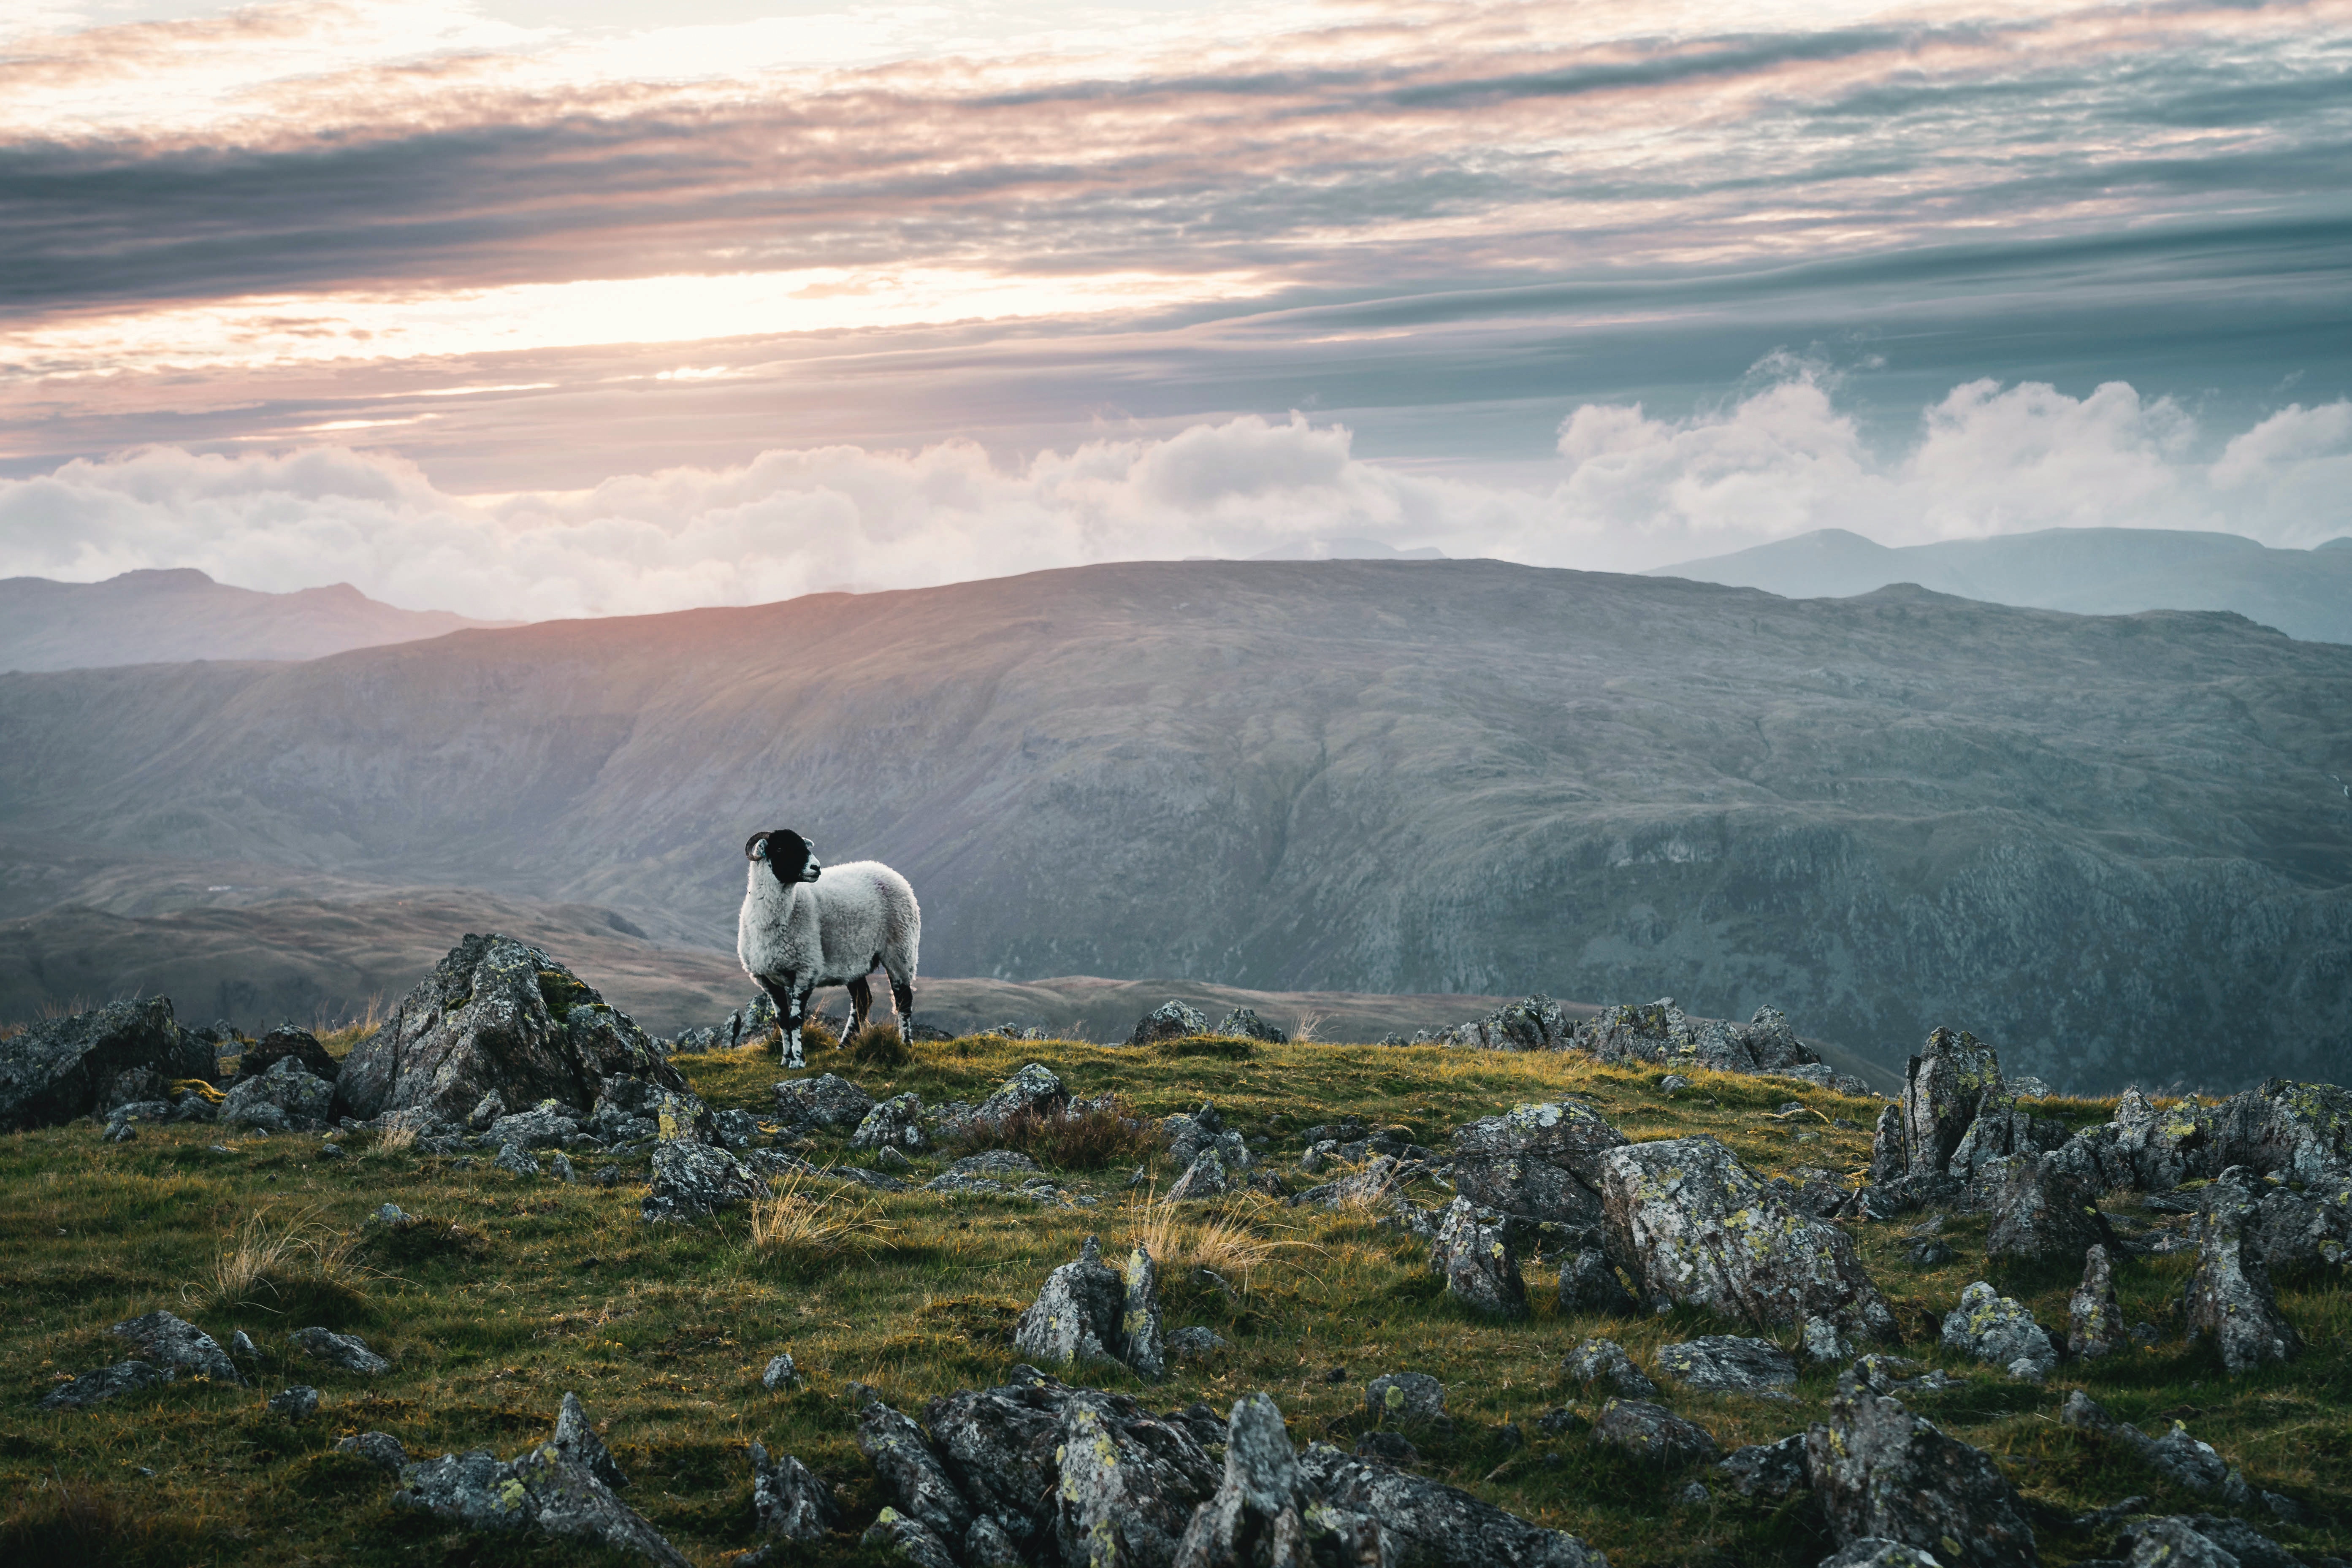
pixel 902 997
pixel 779 996
pixel 794 1015
pixel 861 1002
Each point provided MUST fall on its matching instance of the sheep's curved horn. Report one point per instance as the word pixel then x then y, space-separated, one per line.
pixel 756 846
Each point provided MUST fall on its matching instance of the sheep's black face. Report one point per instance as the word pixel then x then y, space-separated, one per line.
pixel 789 856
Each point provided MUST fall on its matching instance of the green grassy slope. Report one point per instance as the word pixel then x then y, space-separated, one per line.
pixel 538 1288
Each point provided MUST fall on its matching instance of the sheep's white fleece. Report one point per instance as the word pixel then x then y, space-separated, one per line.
pixel 829 931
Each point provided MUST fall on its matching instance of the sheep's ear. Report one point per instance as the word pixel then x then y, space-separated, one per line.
pixel 755 847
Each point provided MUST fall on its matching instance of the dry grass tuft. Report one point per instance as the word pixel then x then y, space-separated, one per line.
pixel 798 1222
pixel 269 1260
pixel 341 1038
pixel 878 1046
pixel 1233 1243
pixel 1307 1027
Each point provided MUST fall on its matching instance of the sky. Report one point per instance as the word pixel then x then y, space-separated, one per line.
pixel 525 309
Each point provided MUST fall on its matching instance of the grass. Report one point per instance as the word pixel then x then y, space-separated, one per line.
pixel 498 1295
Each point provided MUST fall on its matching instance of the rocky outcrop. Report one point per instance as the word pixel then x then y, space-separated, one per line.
pixel 1128 1484
pixel 496 1015
pixel 1693 1226
pixel 788 1502
pixel 1880 1473
pixel 1659 1033
pixel 1265 1513
pixel 106 1382
pixel 825 1102
pixel 1999 1331
pixel 1422 1521
pixel 1540 1162
pixel 1652 1432
pixel 1033 1091
pixel 60 1069
pixel 1589 1283
pixel 2184 1460
pixel 1477 1263
pixel 563 1487
pixel 2044 1209
pixel 282 1042
pixel 1943 1088
pixel 1205 1129
pixel 1087 1311
pixel 894 1123
pixel 1534 1023
pixel 1171 1020
pixel 285 1099
pixel 1724 1363
pixel 348 1351
pixel 2230 1296
pixel 1604 1361
pixel 2094 1319
pixel 168 1341
pixel 1205 1177
pixel 691 1180
pixel 1243 1022
pixel 1774 1470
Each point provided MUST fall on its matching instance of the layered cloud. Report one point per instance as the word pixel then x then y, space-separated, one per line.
pixel 1631 491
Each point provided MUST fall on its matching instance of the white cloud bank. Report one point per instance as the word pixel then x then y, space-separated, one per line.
pixel 1633 492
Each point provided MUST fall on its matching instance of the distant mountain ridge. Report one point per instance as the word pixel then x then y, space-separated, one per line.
pixel 174 615
pixel 2306 594
pixel 2109 844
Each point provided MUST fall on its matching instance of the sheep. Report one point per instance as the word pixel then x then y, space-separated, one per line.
pixel 796 933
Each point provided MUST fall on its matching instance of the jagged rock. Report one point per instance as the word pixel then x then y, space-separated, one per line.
pixel 1694 1226
pixel 555 1488
pixel 910 1472
pixel 1243 1022
pixel 2302 1131
pixel 1420 1522
pixel 2302 1230
pixel 487 1112
pixel 1408 1396
pixel 511 1158
pixel 1881 1473
pixel 2182 1459
pixel 988 1544
pixel 1873 1552
pixel 283 1100
pixel 1188 1136
pixel 379 1448
pixel 2094 1319
pixel 1589 1283
pixel 1943 1088
pixel 826 1101
pixel 348 1351
pixel 2004 1129
pixel 690 1180
pixel 1890 1157
pixel 2044 1209
pixel 1171 1020
pixel 1774 1470
pixel 2173 1543
pixel 1141 1344
pixel 1388 1447
pixel 176 1343
pixel 1076 1318
pixel 679 1116
pixel 1128 1484
pixel 781 1373
pixel 1723 1364
pixel 999 1445
pixel 734 1130
pixel 1539 1160
pixel 895 1123
pixel 902 1536
pixel 788 1502
pixel 2235 1537
pixel 1653 1432
pixel 1265 1513
pixel 1659 1033
pixel 1477 1263
pixel 1605 1362
pixel 1193 1344
pixel 1989 1327
pixel 1034 1091
pixel 295 1404
pixel 2230 1296
pixel 1535 1023
pixel 59 1068
pixel 497 1015
pixel 994 1162
pixel 281 1043
pixel 1205 1177
pixel 106 1382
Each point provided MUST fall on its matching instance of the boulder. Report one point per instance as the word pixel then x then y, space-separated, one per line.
pixel 381 1450
pixel 911 1474
pixel 999 1446
pixel 1774 1470
pixel 59 1069
pixel 2186 1461
pixel 1191 1345
pixel 1171 1020
pixel 1421 1521
pixel 1659 1033
pixel 496 1014
pixel 296 1404
pixel 1411 1397
pixel 348 1351
pixel 1654 1432
pixel 781 1374
pixel 894 1534
pixel 173 1341
pixel 1943 1088
pixel 1034 1091
pixel 2183 1538
pixel 1723 1364
pixel 2094 1319
pixel 546 1127
pixel 1477 1263
pixel 2230 1296
pixel 1243 1022
pixel 1205 1129
pixel 1605 1362
pixel 282 1042
pixel 106 1382
pixel 1535 1023
pixel 1880 1473
pixel 1693 1226
pixel 2044 1209
pixel 690 1180
pixel 1128 1486
pixel 1542 1162
pixel 285 1099
pixel 1140 1342
pixel 1589 1283
pixel 826 1102
pixel 1999 1331
pixel 1076 1316
pixel 788 1502
pixel 557 1489
pixel 2302 1131
pixel 1265 1513
pixel 1205 1177
pixel 895 1123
